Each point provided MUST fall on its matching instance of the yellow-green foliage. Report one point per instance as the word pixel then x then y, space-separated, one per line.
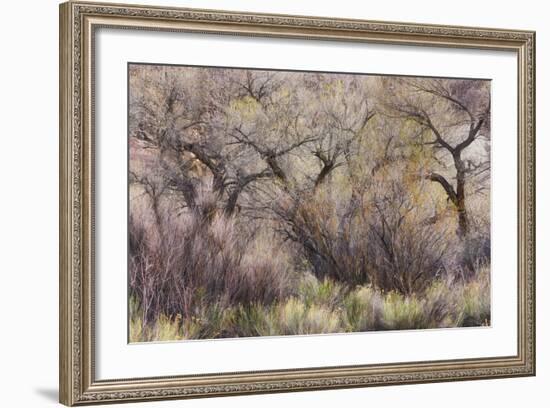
pixel 247 107
pixel 327 292
pixel 326 307
pixel 362 309
pixel 475 299
pixel 295 317
pixel 400 312
pixel 163 329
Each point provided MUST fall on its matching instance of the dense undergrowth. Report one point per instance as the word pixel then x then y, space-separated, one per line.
pixel 267 203
pixel 327 307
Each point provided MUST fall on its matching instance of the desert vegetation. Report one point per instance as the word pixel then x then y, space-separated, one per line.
pixel 281 203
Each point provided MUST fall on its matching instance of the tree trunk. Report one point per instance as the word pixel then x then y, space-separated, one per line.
pixel 463 224
pixel 463 229
pixel 327 168
pixel 231 204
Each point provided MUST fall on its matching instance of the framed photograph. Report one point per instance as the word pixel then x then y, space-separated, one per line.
pixel 256 203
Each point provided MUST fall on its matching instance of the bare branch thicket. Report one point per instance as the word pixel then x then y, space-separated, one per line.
pixel 435 104
pixel 198 261
pixel 344 178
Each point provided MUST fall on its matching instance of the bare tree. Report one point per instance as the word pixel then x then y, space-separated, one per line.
pixel 456 114
pixel 326 166
pixel 180 124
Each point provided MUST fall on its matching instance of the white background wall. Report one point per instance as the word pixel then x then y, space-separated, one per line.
pixel 29 191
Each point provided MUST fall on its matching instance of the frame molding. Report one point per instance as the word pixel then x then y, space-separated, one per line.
pixel 77 382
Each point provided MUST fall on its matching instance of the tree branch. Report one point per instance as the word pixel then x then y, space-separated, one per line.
pixel 438 178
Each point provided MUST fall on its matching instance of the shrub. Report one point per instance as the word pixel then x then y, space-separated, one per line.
pixel 192 260
pixel 383 239
pixel 332 237
pixel 249 321
pixel 362 310
pixel 475 299
pixel 323 307
pixel 441 307
pixel 163 329
pixel 327 292
pixel 408 249
pixel 294 317
pixel 401 312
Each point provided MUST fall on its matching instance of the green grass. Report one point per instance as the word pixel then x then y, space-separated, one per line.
pixel 326 307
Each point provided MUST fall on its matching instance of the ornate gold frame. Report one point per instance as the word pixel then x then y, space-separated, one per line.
pixel 78 21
